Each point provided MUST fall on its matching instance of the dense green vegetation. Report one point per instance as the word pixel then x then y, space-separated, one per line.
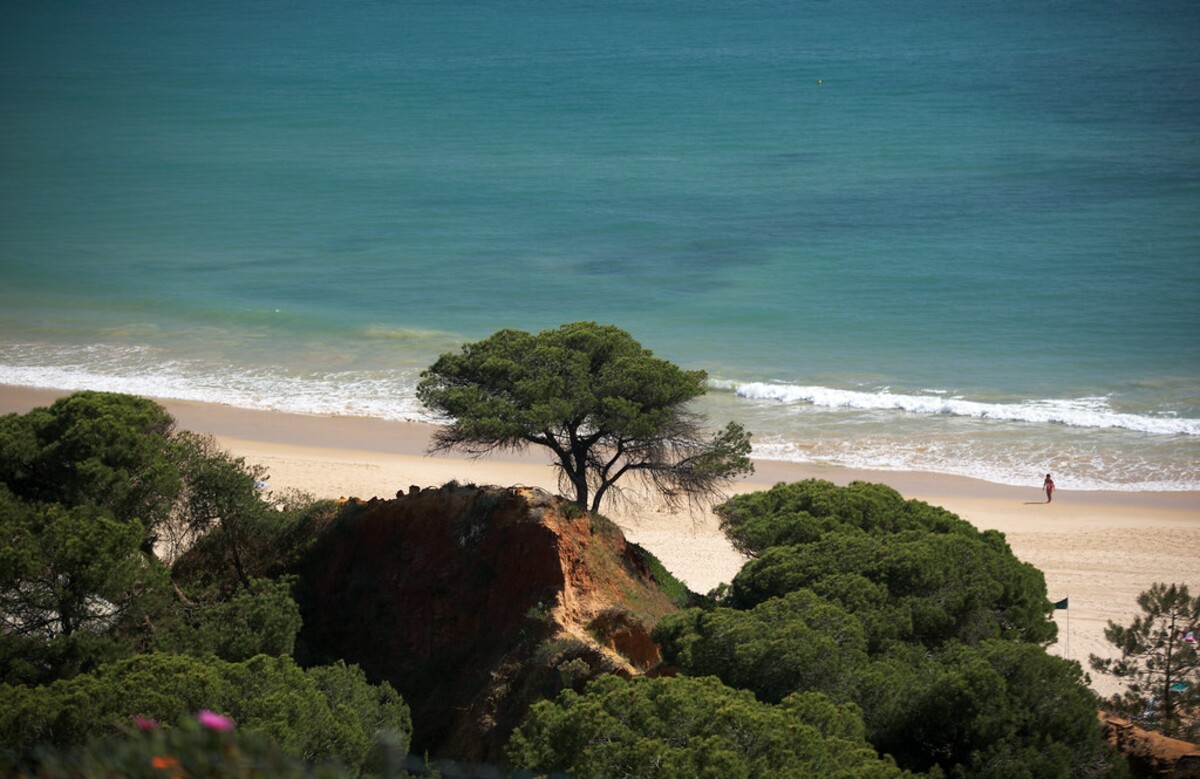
pixel 911 571
pixel 103 620
pixel 327 711
pixel 143 575
pixel 862 619
pixel 693 728
pixel 595 397
pixel 932 629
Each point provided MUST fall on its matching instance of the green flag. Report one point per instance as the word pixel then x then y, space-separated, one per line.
pixel 1062 604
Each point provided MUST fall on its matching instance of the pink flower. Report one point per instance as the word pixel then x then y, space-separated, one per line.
pixel 142 723
pixel 214 721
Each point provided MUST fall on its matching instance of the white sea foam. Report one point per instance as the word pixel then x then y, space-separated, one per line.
pixel 1090 451
pixel 1077 471
pixel 376 394
pixel 1090 412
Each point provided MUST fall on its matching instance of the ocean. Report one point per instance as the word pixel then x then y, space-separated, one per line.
pixel 958 238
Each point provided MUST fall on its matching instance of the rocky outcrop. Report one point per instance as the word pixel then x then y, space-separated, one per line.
pixel 476 602
pixel 1151 754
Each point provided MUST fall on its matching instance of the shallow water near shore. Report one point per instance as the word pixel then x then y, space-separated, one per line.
pixel 925 238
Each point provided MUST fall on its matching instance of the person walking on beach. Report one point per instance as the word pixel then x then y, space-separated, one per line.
pixel 1048 486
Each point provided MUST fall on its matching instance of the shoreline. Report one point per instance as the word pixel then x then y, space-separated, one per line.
pixel 410 439
pixel 1099 549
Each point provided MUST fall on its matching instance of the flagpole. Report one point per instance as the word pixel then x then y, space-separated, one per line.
pixel 1065 603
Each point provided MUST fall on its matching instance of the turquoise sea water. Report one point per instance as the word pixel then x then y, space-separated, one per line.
pixel 947 237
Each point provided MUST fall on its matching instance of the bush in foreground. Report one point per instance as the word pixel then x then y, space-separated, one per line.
pixel 207 745
pixel 683 727
pixel 328 711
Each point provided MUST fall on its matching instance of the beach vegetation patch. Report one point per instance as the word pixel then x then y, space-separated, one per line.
pixel 114 452
pixel 261 619
pixel 331 711
pixel 800 512
pixel 673 588
pixel 931 631
pixel 1159 662
pixel 683 727
pixel 142 580
pixel 911 571
pixel 76 590
pixel 600 402
pixel 796 642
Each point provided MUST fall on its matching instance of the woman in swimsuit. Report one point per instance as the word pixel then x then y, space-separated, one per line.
pixel 1048 486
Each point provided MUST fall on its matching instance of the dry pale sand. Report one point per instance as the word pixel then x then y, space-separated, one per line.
pixel 1099 549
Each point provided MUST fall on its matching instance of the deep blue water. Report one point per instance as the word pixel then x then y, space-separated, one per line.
pixel 921 235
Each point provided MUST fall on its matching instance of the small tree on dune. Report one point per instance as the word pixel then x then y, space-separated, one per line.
pixel 591 394
pixel 1159 662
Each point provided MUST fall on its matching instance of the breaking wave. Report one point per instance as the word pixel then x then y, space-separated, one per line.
pixel 1089 412
pixel 380 394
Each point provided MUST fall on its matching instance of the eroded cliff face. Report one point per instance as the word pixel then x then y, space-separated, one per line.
pixel 476 602
pixel 1151 754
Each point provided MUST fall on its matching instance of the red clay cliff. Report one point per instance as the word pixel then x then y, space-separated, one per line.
pixel 476 602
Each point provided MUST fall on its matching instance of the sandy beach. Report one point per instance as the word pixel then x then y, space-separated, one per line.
pixel 1099 549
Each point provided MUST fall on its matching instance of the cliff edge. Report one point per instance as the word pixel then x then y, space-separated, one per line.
pixel 1151 754
pixel 475 603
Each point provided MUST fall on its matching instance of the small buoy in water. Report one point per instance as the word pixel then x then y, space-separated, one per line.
pixel 818 82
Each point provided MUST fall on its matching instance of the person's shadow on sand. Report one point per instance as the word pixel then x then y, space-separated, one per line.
pixel 1036 502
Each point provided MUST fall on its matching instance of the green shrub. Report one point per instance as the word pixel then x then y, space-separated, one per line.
pixel 674 589
pixel 199 746
pixel 330 711
pixel 681 727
